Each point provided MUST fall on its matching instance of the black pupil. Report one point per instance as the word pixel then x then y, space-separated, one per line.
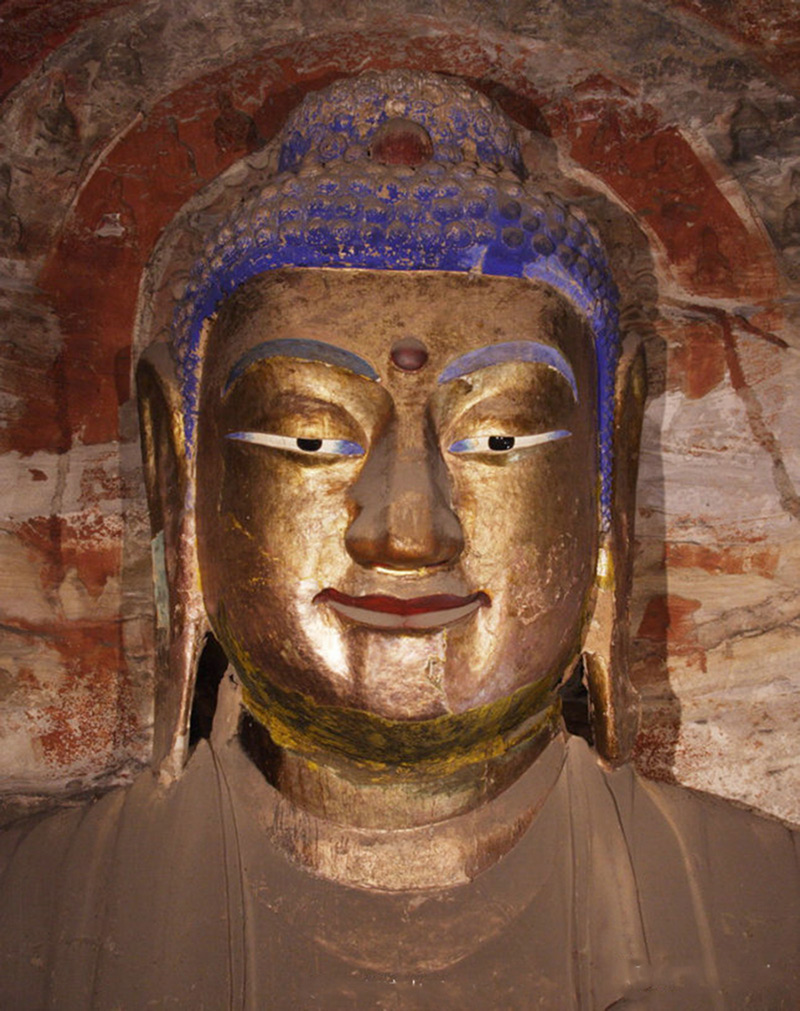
pixel 501 442
pixel 312 445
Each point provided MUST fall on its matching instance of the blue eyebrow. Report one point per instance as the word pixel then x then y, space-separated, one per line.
pixel 511 351
pixel 308 350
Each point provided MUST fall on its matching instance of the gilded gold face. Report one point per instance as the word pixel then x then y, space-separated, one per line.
pixel 397 486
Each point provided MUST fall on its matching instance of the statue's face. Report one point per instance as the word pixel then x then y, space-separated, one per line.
pixel 405 530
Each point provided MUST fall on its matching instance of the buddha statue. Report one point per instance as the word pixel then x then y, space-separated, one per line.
pixel 390 459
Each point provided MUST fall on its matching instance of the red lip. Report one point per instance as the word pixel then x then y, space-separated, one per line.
pixel 405 606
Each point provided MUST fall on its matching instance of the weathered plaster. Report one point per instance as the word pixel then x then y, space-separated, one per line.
pixel 115 114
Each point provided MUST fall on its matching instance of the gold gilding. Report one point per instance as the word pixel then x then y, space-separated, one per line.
pixel 434 747
pixel 310 556
pixel 605 568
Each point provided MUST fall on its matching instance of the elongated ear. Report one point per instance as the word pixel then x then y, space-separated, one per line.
pixel 614 702
pixel 180 617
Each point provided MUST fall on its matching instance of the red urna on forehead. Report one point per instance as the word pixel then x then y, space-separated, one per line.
pixel 409 354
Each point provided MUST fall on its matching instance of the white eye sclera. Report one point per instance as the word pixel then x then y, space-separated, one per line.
pixel 505 443
pixel 301 446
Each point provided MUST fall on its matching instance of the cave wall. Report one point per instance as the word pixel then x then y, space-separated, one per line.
pixel 683 115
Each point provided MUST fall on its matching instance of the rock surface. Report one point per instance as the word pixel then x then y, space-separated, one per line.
pixel 684 113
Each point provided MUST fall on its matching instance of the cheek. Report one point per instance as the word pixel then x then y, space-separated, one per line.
pixel 530 527
pixel 281 516
pixel 550 580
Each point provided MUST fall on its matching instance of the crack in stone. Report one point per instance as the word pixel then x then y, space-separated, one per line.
pixel 754 622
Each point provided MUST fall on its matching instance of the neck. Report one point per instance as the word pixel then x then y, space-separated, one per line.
pixel 405 828
pixel 340 790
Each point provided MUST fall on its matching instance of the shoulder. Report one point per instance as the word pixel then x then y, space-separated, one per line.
pixel 716 879
pixel 721 833
pixel 80 886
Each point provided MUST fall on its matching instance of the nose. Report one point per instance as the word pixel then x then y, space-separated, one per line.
pixel 404 519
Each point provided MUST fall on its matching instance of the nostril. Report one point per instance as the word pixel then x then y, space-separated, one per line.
pixel 408 532
pixel 418 539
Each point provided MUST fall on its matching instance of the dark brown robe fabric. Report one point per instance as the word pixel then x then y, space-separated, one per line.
pixel 619 893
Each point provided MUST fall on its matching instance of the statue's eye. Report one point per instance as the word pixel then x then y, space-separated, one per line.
pixel 496 444
pixel 301 445
pixel 499 443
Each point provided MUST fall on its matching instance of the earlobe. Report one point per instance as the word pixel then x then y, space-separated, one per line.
pixel 161 429
pixel 181 623
pixel 614 702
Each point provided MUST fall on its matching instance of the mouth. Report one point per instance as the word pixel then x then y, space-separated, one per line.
pixel 414 613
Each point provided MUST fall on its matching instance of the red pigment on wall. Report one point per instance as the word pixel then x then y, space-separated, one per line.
pixel 32 29
pixel 667 626
pixel 697 359
pixel 88 719
pixel 669 617
pixel 90 544
pixel 734 561
pixel 661 178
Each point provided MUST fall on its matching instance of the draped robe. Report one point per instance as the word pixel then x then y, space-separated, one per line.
pixel 618 892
